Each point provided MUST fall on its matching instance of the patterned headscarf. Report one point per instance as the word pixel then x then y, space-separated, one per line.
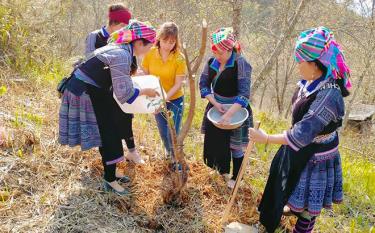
pixel 135 30
pixel 224 39
pixel 319 43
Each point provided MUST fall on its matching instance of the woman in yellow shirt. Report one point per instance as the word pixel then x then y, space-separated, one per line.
pixel 165 61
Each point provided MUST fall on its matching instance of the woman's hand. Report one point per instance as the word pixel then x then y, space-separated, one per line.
pixel 219 107
pixel 216 104
pixel 176 87
pixel 225 119
pixel 258 135
pixel 139 72
pixel 150 92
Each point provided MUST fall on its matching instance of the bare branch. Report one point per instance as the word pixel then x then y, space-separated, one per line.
pixel 202 49
pixel 170 123
pixel 191 76
pixel 280 44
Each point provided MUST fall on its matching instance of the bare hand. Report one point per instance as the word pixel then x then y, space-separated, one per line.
pixel 219 107
pixel 225 120
pixel 139 72
pixel 149 92
pixel 257 135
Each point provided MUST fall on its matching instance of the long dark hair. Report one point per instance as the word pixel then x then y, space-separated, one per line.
pixel 344 91
pixel 134 65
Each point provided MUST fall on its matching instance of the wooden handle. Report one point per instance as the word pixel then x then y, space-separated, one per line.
pixel 249 148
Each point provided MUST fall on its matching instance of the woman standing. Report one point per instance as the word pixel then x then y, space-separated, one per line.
pixel 88 113
pixel 166 62
pixel 225 79
pixel 306 172
pixel 118 17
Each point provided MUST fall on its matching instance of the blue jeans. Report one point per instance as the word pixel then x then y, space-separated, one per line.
pixel 176 106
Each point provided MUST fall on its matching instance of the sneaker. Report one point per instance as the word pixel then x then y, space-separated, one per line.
pixel 135 157
pixel 226 176
pixel 287 211
pixel 231 183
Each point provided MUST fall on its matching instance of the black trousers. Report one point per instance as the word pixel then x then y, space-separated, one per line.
pixel 111 135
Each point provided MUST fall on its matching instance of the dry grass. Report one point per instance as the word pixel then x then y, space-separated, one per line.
pixel 45 187
pixel 57 189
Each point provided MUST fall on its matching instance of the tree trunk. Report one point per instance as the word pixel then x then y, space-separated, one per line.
pixel 288 73
pixel 279 46
pixel 359 85
pixel 277 94
pixel 236 17
pixel 262 97
pixel 175 179
pixel 369 54
pixel 288 110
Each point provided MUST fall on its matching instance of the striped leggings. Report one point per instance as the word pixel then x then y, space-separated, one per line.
pixel 304 225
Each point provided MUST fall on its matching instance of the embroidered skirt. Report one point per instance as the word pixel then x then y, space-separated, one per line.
pixel 320 184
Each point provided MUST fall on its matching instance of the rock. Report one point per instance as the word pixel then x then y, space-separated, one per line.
pixel 362 112
pixel 361 118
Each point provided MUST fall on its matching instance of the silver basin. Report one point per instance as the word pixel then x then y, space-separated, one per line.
pixel 236 121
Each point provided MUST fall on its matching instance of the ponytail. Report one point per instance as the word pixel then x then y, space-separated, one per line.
pixel 344 91
pixel 340 81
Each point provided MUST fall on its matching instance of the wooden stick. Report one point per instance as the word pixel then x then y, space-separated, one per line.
pixel 239 178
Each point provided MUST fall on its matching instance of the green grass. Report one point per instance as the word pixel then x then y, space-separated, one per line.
pixel 3 90
pixel 26 52
pixel 356 213
pixel 359 193
pixel 21 116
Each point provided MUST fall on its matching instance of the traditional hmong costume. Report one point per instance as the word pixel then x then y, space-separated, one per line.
pixel 99 38
pixel 232 85
pixel 89 115
pixel 306 174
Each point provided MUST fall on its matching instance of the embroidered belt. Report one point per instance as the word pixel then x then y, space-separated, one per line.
pixel 325 138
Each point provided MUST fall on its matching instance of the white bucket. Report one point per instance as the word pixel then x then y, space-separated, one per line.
pixel 143 104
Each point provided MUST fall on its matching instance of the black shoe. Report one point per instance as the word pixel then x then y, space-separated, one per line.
pixel 123 179
pixel 108 188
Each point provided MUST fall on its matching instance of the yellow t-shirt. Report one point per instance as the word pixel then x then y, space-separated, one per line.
pixel 166 71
